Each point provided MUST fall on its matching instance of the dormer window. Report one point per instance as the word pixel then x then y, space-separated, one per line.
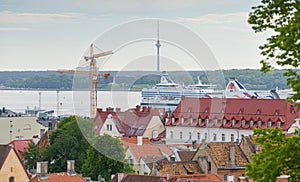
pixel 206 121
pixel 216 122
pixel 173 121
pixel 258 111
pixel 251 123
pixel 191 121
pixel 224 122
pixel 276 113
pixel 243 123
pixel 279 124
pixel 259 124
pixel 190 135
pixel 199 121
pixel 182 120
pixel 269 124
pixel 233 122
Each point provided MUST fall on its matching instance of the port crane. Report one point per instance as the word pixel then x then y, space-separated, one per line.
pixel 93 74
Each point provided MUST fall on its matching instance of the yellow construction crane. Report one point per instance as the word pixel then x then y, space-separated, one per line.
pixel 93 73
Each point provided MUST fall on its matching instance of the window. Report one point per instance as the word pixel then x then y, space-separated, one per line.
pixel 130 161
pixel 233 123
pixel 243 123
pixel 109 127
pixel 191 121
pixel 269 124
pixel 216 122
pixel 180 135
pixel 171 134
pixel 190 135
pixel 182 120
pixel 278 123
pixel 215 137
pixel 206 121
pixel 11 179
pixel 141 131
pixel 199 121
pixel 173 120
pixel 224 122
pixel 223 137
pixel 225 177
pixel 205 136
pixel 198 137
pixel 251 123
pixel 259 124
pixel 232 137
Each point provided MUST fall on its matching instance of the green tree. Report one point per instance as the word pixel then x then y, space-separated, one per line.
pixel 32 155
pixel 105 157
pixel 68 143
pixel 280 155
pixel 282 18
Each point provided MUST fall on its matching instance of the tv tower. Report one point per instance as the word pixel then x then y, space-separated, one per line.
pixel 158 46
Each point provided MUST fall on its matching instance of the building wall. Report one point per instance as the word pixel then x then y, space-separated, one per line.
pixel 26 127
pixel 155 124
pixel 231 172
pixel 144 169
pixel 129 156
pixel 186 131
pixel 112 130
pixel 12 167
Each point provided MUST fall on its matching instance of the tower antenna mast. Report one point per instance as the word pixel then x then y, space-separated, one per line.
pixel 158 46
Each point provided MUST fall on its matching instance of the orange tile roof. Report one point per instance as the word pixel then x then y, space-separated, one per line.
pixel 178 168
pixel 59 177
pixel 200 177
pixel 150 150
pixel 186 155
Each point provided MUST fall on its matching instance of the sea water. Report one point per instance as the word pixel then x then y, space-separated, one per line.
pixel 66 102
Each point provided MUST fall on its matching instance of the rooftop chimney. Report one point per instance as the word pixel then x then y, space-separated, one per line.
pixel 42 170
pixel 232 154
pixel 120 177
pixel 283 178
pixel 139 140
pixel 71 168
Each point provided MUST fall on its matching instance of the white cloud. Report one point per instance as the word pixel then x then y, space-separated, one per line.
pixel 14 29
pixel 227 18
pixel 8 17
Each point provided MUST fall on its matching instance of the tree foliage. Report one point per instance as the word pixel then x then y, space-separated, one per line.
pixel 32 155
pixel 105 157
pixel 282 18
pixel 280 155
pixel 67 143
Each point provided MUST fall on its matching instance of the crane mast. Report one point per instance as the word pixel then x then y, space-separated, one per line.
pixel 93 76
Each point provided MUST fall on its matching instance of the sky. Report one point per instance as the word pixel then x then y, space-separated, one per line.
pixel 55 34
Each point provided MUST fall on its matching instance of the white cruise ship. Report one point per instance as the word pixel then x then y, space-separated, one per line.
pixel 167 93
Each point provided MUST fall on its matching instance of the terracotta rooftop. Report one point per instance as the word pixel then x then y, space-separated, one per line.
pixel 20 146
pixel 139 178
pixel 149 160
pixel 150 150
pixel 177 168
pixel 199 178
pixel 131 122
pixel 185 155
pixel 220 109
pixel 220 154
pixel 59 177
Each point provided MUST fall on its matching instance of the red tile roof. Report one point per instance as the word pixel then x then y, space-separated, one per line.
pixel 199 177
pixel 150 150
pixel 131 122
pixel 139 178
pixel 59 177
pixel 263 110
pixel 186 155
pixel 177 168
pixel 20 146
